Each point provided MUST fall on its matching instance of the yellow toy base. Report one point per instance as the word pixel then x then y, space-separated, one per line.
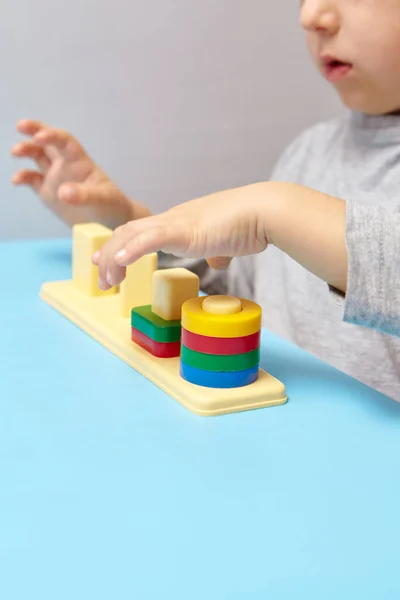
pixel 99 317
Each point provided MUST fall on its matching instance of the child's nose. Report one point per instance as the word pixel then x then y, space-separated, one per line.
pixel 320 15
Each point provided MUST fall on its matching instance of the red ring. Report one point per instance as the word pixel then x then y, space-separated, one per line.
pixel 222 346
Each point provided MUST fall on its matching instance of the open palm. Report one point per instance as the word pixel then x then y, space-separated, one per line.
pixel 66 179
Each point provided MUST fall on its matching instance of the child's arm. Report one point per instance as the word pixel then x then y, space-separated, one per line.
pixel 307 225
pixel 359 257
pixel 68 181
pixel 311 228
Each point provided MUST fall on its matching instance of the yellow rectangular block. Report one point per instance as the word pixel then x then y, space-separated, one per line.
pixel 88 238
pixel 136 289
pixel 171 288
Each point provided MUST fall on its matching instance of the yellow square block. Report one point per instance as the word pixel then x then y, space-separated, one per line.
pixel 171 288
pixel 136 289
pixel 88 238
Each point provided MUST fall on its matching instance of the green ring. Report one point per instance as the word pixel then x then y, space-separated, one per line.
pixel 220 363
pixel 156 328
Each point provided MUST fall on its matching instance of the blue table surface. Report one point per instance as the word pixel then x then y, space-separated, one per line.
pixel 109 489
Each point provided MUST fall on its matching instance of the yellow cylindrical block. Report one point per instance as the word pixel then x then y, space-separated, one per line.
pixel 212 324
pixel 221 305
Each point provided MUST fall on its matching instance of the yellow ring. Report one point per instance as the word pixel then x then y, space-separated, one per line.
pixel 245 322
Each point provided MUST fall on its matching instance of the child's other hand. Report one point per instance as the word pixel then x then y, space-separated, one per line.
pixel 68 181
pixel 217 227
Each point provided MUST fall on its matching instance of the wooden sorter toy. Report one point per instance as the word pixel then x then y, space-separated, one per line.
pixel 202 351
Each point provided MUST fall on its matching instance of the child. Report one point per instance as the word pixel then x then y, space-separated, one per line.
pixel 347 233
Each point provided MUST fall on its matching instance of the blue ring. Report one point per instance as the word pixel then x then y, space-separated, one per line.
pixel 220 380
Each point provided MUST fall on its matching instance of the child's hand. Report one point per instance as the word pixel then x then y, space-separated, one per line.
pixel 308 225
pixel 68 181
pixel 222 225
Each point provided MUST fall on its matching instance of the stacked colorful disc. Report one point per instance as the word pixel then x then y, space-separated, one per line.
pixel 220 343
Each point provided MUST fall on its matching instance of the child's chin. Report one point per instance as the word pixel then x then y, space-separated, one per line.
pixel 368 104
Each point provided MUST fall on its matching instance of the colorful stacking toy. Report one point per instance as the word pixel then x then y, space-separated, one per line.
pixel 217 347
pixel 220 341
pixel 157 327
pixel 216 337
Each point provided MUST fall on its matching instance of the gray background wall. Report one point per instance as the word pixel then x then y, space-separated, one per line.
pixel 174 98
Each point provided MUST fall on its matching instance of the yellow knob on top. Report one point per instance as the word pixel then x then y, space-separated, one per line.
pixel 221 316
pixel 221 305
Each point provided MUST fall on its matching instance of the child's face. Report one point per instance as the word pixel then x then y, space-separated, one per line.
pixel 356 46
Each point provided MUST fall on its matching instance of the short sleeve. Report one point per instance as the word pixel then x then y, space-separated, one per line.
pixel 373 288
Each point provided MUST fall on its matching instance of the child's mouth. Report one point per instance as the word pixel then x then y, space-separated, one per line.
pixel 334 69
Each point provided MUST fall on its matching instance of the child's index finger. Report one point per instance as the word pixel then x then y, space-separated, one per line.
pixel 29 126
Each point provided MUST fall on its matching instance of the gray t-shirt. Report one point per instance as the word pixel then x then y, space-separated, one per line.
pixel 357 159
